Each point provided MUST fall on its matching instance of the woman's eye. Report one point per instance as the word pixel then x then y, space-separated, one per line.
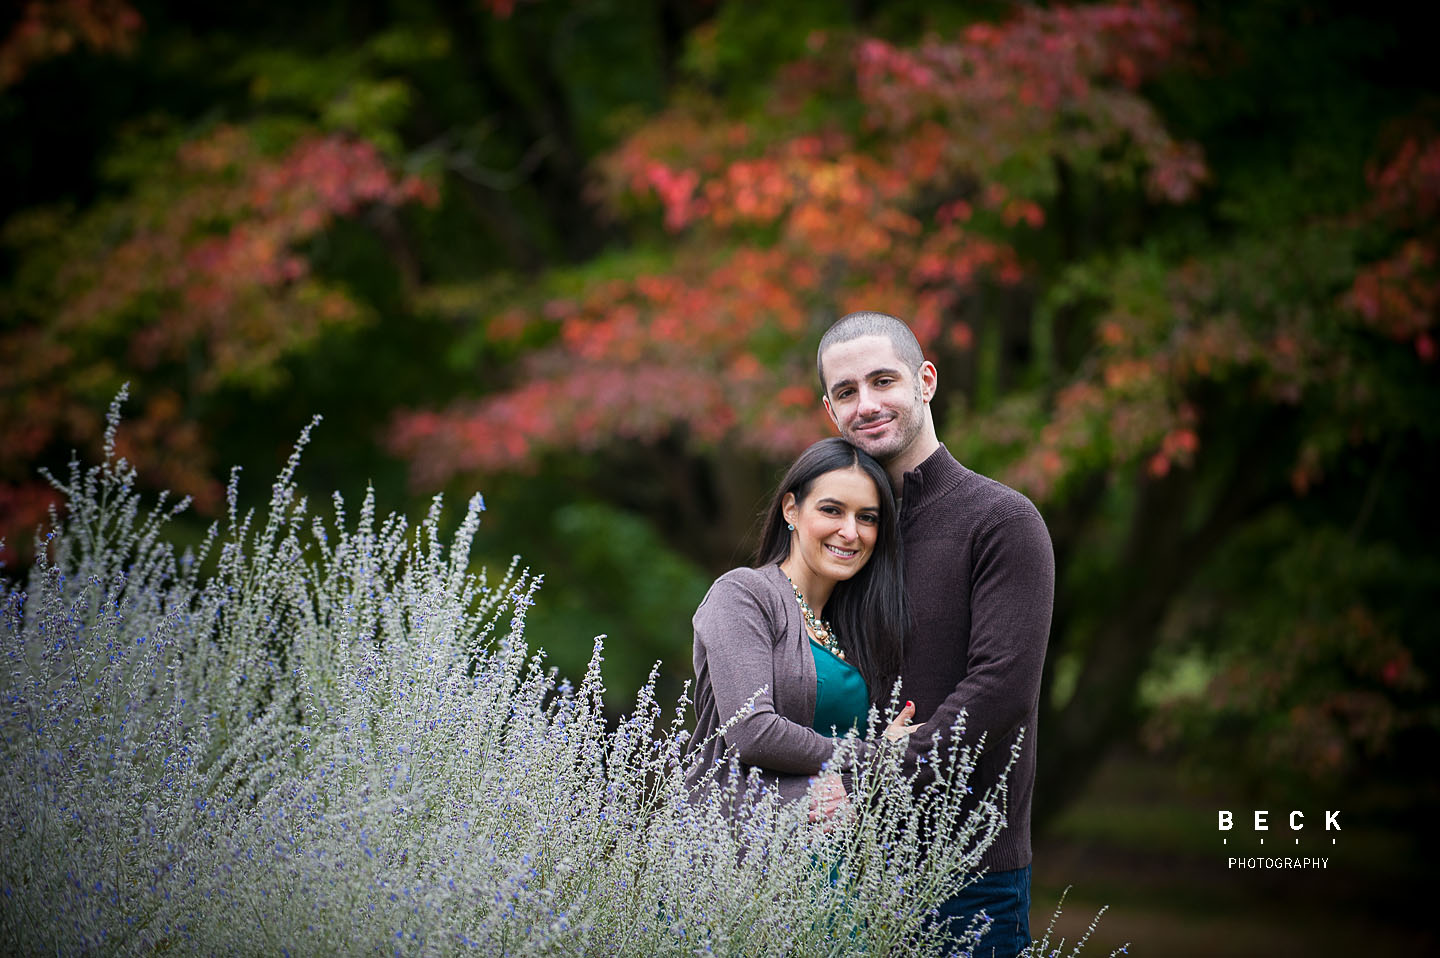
pixel 869 517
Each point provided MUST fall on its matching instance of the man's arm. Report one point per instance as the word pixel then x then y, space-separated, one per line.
pixel 1012 595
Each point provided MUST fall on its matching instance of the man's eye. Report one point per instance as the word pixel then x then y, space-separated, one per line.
pixel 884 381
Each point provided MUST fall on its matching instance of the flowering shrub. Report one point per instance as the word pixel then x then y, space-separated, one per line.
pixel 319 735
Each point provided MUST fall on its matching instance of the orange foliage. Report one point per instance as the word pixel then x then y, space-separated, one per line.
pixel 207 283
pixel 244 290
pixel 52 28
pixel 1137 406
pixel 783 228
pixel 24 508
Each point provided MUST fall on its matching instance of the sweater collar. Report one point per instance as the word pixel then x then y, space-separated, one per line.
pixel 930 481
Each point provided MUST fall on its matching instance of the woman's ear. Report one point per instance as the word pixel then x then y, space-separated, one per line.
pixel 788 508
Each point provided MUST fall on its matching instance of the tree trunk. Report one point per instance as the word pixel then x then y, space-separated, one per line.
pixel 1164 551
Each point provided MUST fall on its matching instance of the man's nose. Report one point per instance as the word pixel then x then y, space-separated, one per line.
pixel 868 405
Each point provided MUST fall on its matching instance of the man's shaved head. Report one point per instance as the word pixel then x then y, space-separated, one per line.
pixel 867 323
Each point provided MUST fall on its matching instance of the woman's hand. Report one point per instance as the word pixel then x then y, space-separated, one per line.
pixel 901 727
pixel 829 803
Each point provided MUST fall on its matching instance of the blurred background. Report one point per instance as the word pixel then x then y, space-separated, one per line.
pixel 1176 264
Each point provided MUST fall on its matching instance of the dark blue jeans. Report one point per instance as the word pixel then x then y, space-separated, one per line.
pixel 1005 897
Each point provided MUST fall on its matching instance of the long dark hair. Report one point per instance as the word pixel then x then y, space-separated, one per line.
pixel 869 611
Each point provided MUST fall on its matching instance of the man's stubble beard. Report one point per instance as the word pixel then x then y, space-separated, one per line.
pixel 911 424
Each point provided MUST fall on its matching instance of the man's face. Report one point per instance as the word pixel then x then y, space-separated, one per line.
pixel 876 401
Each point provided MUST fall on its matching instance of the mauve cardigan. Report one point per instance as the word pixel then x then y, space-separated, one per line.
pixel 749 639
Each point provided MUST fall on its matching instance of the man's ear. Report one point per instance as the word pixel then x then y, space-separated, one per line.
pixel 830 411
pixel 929 380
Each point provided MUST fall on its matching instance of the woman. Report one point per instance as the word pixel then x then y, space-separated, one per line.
pixel 813 633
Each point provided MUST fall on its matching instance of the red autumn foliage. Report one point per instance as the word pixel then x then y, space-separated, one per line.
pixel 1400 294
pixel 243 290
pixel 24 508
pixel 782 225
pixel 52 28
pixel 206 286
pixel 1137 405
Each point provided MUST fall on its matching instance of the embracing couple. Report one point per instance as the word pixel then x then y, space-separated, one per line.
pixel 882 556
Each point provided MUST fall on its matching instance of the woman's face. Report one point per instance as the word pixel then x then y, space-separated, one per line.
pixel 837 524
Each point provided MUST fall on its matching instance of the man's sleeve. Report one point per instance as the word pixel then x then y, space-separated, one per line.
pixel 1012 595
pixel 738 638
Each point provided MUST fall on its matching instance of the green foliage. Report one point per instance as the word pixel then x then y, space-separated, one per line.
pixel 740 50
pixel 613 574
pixel 1310 671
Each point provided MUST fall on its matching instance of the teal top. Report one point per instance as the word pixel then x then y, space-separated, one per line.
pixel 842 700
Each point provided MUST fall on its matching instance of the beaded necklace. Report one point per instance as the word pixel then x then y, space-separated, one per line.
pixel 819 629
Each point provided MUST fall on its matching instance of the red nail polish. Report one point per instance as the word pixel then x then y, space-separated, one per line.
pixel 909 705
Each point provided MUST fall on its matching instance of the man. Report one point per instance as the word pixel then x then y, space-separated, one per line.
pixel 980 573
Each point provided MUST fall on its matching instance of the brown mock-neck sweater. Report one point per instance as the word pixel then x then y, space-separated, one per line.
pixel 980 572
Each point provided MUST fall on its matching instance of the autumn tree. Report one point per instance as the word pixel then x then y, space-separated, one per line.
pixel 196 280
pixel 1011 190
pixel 234 210
pixel 916 196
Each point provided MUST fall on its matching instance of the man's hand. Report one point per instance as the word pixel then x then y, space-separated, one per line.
pixel 829 805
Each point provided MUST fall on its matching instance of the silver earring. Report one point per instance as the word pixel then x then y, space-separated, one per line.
pixel 790 526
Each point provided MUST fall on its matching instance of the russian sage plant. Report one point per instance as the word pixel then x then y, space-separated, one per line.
pixel 326 735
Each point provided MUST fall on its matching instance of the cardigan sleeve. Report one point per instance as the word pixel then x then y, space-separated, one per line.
pixel 738 635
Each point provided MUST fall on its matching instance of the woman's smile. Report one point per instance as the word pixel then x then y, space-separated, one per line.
pixel 833 531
